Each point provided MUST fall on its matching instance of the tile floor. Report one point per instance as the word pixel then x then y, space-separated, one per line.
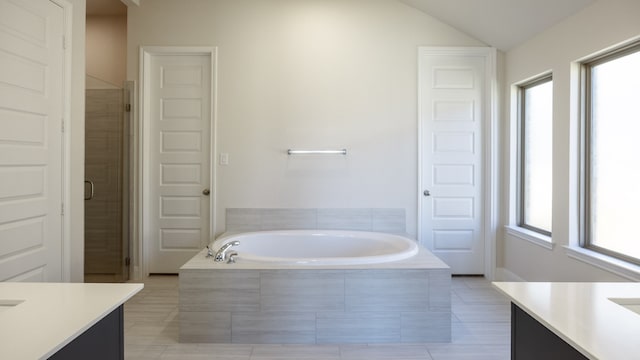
pixel 480 331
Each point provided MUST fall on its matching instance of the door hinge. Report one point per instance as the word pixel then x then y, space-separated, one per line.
pixel 64 42
pixel 127 107
pixel 62 209
pixel 62 125
pixel 127 261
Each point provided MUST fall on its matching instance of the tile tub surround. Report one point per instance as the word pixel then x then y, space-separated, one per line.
pixel 365 219
pixel 406 301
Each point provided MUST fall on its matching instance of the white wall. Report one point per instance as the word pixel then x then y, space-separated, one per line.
pixel 601 25
pixel 75 212
pixel 106 45
pixel 307 74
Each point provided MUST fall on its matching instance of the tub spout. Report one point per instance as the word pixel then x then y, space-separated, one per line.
pixel 221 255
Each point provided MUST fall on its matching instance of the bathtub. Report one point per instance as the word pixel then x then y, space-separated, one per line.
pixel 316 287
pixel 319 247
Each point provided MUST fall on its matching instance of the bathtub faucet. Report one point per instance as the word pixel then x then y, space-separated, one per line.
pixel 221 255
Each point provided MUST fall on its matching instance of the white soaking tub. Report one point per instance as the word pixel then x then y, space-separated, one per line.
pixel 315 287
pixel 319 247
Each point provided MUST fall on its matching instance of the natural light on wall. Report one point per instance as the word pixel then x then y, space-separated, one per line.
pixel 614 181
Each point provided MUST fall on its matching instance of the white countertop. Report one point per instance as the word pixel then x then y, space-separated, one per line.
pixel 583 315
pixel 50 315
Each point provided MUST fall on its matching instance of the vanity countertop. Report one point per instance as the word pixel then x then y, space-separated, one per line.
pixel 38 319
pixel 600 320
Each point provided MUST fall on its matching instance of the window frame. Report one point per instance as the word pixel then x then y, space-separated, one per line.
pixel 521 168
pixel 586 70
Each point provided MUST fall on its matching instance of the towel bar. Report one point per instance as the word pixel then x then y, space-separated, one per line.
pixel 317 152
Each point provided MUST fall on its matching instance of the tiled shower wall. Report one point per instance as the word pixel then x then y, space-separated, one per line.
pixel 379 220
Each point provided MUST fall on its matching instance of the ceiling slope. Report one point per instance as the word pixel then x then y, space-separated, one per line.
pixel 503 24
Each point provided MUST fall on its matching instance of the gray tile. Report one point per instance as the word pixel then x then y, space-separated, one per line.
pixel 345 219
pixel 289 219
pixel 208 351
pixel 243 219
pixel 440 290
pixel 358 327
pixel 219 290
pixel 151 331
pixel 469 352
pixel 425 327
pixel 230 350
pixel 307 352
pixel 142 352
pixel 384 352
pixel 386 290
pixel 389 220
pixel 273 328
pixel 481 295
pixel 482 312
pixel 302 290
pixel 192 356
pixel 481 333
pixel 205 327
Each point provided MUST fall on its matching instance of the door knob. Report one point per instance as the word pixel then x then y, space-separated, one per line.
pixel 206 192
pixel 426 193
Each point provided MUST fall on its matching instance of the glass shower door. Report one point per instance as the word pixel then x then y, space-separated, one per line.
pixel 106 187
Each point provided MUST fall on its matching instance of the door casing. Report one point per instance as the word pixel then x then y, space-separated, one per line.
pixel 140 260
pixel 65 42
pixel 490 146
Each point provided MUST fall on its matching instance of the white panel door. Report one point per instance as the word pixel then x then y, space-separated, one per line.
pixel 452 102
pixel 31 88
pixel 179 159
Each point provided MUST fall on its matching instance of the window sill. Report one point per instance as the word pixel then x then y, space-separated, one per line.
pixel 608 263
pixel 530 236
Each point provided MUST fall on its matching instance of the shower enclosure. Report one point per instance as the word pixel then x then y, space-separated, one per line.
pixel 107 182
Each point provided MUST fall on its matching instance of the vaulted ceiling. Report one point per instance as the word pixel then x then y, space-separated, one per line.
pixel 503 24
pixel 500 23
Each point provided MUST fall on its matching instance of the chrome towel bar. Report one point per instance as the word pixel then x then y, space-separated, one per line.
pixel 317 152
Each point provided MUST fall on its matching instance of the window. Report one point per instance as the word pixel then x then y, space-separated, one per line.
pixel 612 153
pixel 535 113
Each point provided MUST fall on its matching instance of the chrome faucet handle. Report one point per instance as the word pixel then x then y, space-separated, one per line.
pixel 232 258
pixel 209 252
pixel 221 255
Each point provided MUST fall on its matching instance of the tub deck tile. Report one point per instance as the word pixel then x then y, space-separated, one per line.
pixel 439 290
pixel 302 290
pixel 358 327
pixel 273 328
pixel 205 327
pixel 219 291
pixel 387 290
